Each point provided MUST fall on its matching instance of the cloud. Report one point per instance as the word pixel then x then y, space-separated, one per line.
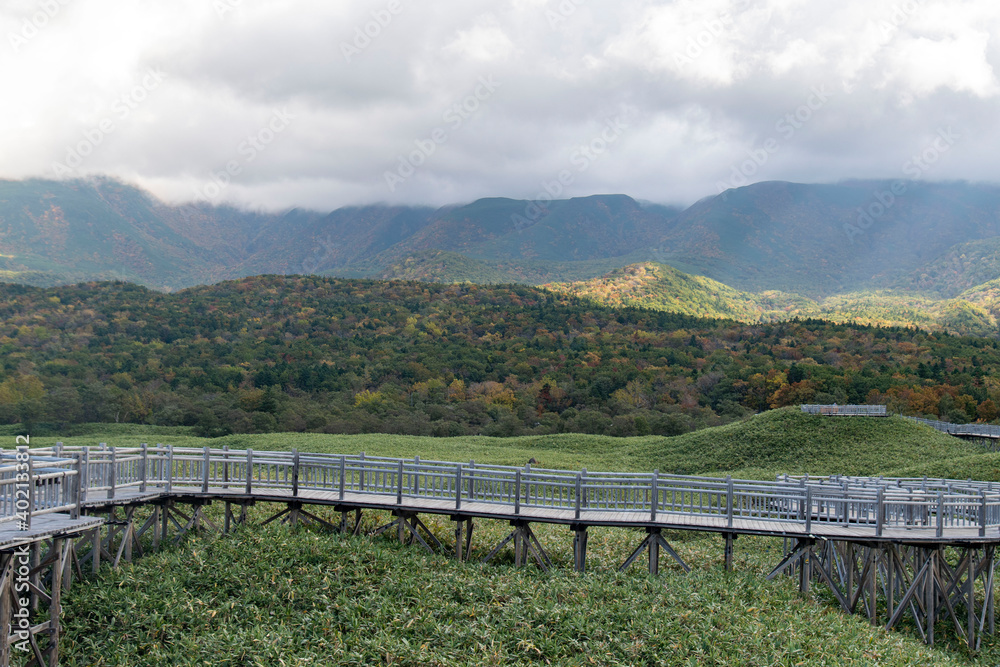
pixel 705 84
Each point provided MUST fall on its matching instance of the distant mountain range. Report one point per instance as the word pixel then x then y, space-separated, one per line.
pixel 769 250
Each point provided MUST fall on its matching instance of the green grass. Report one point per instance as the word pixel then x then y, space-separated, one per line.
pixel 273 596
pixel 775 442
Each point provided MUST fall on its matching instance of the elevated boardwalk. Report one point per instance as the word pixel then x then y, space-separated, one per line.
pixel 986 434
pixel 874 542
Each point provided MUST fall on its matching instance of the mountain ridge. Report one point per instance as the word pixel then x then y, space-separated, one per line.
pixel 792 247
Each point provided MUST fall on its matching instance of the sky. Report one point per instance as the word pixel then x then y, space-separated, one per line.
pixel 321 104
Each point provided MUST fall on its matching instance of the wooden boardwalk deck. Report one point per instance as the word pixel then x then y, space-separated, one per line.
pixel 595 518
pixel 877 542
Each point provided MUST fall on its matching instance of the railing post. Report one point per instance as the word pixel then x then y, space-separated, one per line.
pixel 295 473
pixel 249 484
pixel 204 475
pixel 361 477
pixel 112 473
pixel 31 495
pixel 75 514
pixel 416 476
pixel 458 486
pixel 579 493
pixel 170 471
pixel 730 501
pixel 982 513
pixel 85 473
pixel 517 491
pixel 343 473
pixel 880 509
pixel 809 509
pixel 142 468
pixel 225 466
pixel 472 480
pixel 399 485
pixel 654 499
pixel 940 513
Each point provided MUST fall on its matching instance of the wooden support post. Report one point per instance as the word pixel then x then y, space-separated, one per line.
pixel 580 548
pixel 227 519
pixel 154 524
pixel 930 602
pixel 95 561
pixel 805 566
pixel 55 602
pixel 35 560
pixel 6 604
pixel 970 597
pixel 654 552
pixel 518 539
pixel 729 551
pixel 459 530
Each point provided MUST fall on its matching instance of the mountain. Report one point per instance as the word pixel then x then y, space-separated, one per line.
pixel 821 240
pixel 909 253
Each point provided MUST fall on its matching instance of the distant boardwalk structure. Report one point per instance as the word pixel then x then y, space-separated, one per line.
pixel 987 435
pixel 921 548
pixel 846 410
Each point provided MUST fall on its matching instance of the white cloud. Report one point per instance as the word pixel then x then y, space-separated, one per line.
pixel 708 81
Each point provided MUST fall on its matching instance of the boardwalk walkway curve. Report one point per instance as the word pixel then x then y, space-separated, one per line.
pixel 922 548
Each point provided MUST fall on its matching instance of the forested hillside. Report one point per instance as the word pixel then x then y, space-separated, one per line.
pixel 318 354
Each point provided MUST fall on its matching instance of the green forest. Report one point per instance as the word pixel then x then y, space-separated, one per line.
pixel 270 354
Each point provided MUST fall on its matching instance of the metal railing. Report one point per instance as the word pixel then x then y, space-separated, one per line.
pixel 66 479
pixel 969 430
pixel 846 410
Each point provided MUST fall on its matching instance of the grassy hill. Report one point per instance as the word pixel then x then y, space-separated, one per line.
pixel 762 446
pixel 272 596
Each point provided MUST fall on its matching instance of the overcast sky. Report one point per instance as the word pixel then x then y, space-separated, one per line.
pixel 325 103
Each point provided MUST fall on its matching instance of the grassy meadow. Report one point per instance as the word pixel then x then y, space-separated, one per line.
pixel 273 596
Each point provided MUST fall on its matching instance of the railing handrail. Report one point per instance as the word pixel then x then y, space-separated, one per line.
pixel 933 503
